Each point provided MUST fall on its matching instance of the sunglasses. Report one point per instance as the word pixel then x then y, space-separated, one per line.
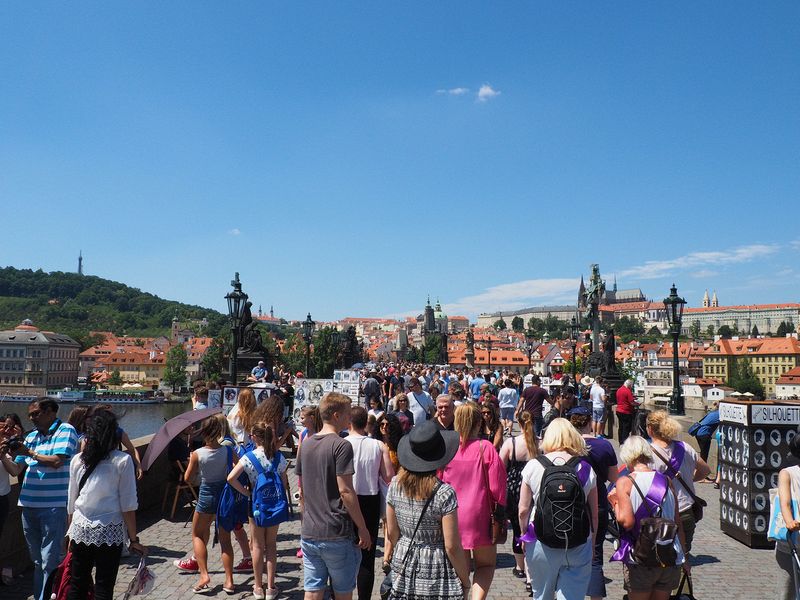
pixel 33 414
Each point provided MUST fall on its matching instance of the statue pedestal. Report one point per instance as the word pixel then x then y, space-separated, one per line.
pixel 469 359
pixel 247 361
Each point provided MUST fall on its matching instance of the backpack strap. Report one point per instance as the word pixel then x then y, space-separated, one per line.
pixel 255 462
pixel 582 468
pixel 544 461
pixel 655 495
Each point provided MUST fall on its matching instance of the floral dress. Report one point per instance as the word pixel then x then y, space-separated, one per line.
pixel 428 574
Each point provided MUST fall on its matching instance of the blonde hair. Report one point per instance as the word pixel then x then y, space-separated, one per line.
pixel 528 434
pixel 332 402
pixel 662 426
pixel 636 450
pixel 467 420
pixel 561 435
pixel 247 407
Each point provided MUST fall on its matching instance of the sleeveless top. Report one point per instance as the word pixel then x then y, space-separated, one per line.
pixel 213 464
pixel 645 480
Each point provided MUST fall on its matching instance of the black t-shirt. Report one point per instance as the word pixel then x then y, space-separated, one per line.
pixel 534 397
pixel 443 428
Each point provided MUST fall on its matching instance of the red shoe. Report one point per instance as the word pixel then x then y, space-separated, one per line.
pixel 244 566
pixel 300 553
pixel 187 564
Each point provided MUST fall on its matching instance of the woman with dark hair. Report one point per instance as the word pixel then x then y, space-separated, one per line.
pixel 77 418
pixel 390 431
pixel 10 429
pixel 491 430
pixel 102 506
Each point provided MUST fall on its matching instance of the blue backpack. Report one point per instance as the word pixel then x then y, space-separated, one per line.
pixel 232 508
pixel 270 505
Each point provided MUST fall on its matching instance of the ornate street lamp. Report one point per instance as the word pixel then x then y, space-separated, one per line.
pixel 574 331
pixel 237 300
pixel 308 337
pixel 489 348
pixel 335 335
pixel 674 305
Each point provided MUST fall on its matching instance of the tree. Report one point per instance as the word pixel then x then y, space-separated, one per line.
pixel 500 325
pixel 536 326
pixel 324 356
pixel 213 361
pixel 175 367
pixel 782 330
pixel 628 328
pixel 742 379
pixel 293 356
pixel 725 331
pixel 115 378
pixel 413 355
pixel 754 331
pixel 518 324
pixel 432 350
pixel 710 331
pixel 695 329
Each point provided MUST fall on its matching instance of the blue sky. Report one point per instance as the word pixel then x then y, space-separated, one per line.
pixel 348 159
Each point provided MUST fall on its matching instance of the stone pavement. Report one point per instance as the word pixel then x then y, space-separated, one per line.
pixel 722 566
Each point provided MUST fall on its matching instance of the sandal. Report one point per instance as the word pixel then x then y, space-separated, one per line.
pixel 528 587
pixel 202 589
pixel 518 572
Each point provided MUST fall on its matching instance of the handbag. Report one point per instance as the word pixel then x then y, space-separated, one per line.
pixel 655 543
pixel 680 594
pixel 498 528
pixel 388 580
pixel 777 530
pixel 699 503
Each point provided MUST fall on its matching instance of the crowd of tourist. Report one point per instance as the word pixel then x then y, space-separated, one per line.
pixel 438 462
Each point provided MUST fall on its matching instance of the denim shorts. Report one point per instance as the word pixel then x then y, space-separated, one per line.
pixel 208 497
pixel 597 414
pixel 337 559
pixel 507 412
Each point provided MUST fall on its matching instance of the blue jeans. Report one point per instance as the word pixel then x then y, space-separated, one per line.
pixel 337 559
pixel 538 425
pixel 556 572
pixel 44 530
pixel 597 581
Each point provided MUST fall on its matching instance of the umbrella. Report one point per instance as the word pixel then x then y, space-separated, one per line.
pixel 142 583
pixel 749 394
pixel 358 366
pixel 170 430
pixel 737 394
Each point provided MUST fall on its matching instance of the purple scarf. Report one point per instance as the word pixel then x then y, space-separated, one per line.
pixel 584 468
pixel 654 497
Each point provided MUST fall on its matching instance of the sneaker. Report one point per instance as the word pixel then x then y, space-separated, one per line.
pixel 271 594
pixel 244 566
pixel 187 564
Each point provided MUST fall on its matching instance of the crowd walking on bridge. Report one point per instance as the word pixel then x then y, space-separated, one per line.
pixel 438 462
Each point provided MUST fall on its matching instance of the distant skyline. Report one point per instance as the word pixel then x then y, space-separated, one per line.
pixel 350 159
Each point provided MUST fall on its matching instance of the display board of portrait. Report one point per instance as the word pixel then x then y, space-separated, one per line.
pixel 309 392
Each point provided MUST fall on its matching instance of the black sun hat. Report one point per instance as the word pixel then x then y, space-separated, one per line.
pixel 427 448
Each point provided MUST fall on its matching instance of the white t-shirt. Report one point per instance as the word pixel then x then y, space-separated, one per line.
pixel 533 471
pixel 419 404
pixel 266 464
pixel 527 381
pixel 508 398
pixel 367 455
pixel 598 396
pixel 5 484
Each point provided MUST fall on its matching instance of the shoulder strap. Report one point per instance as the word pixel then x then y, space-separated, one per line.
pixel 513 450
pixel 544 461
pixel 659 504
pixel 255 462
pixel 421 515
pixel 85 477
pixel 675 473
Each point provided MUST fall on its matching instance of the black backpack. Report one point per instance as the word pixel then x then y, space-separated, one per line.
pixel 562 518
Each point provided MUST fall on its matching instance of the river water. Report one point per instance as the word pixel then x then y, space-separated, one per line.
pixel 136 420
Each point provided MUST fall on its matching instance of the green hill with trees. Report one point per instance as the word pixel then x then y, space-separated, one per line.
pixel 77 304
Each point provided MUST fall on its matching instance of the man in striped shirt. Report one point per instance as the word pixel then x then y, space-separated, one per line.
pixel 45 458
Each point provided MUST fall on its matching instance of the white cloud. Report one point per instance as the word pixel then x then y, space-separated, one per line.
pixel 513 296
pixel 235 231
pixel 655 269
pixel 487 92
pixel 704 274
pixel 456 91
pixel 795 244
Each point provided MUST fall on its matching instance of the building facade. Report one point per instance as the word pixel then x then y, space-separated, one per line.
pixel 766 317
pixel 31 361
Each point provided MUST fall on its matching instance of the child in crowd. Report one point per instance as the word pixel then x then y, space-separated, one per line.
pixel 264 539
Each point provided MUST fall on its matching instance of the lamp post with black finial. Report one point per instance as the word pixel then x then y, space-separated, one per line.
pixel 308 337
pixel 237 300
pixel 674 305
pixel 574 331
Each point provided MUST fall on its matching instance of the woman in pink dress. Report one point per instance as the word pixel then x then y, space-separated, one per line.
pixel 479 478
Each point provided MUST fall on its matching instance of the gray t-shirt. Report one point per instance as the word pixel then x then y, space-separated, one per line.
pixel 320 460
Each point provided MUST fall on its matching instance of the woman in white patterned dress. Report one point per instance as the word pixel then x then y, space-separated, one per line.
pixel 428 560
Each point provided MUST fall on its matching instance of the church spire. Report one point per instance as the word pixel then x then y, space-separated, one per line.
pixel 271 312
pixel 705 300
pixel 714 301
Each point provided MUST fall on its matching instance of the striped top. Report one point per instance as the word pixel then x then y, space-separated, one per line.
pixel 46 487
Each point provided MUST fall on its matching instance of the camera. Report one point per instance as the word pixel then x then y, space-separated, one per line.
pixel 14 443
